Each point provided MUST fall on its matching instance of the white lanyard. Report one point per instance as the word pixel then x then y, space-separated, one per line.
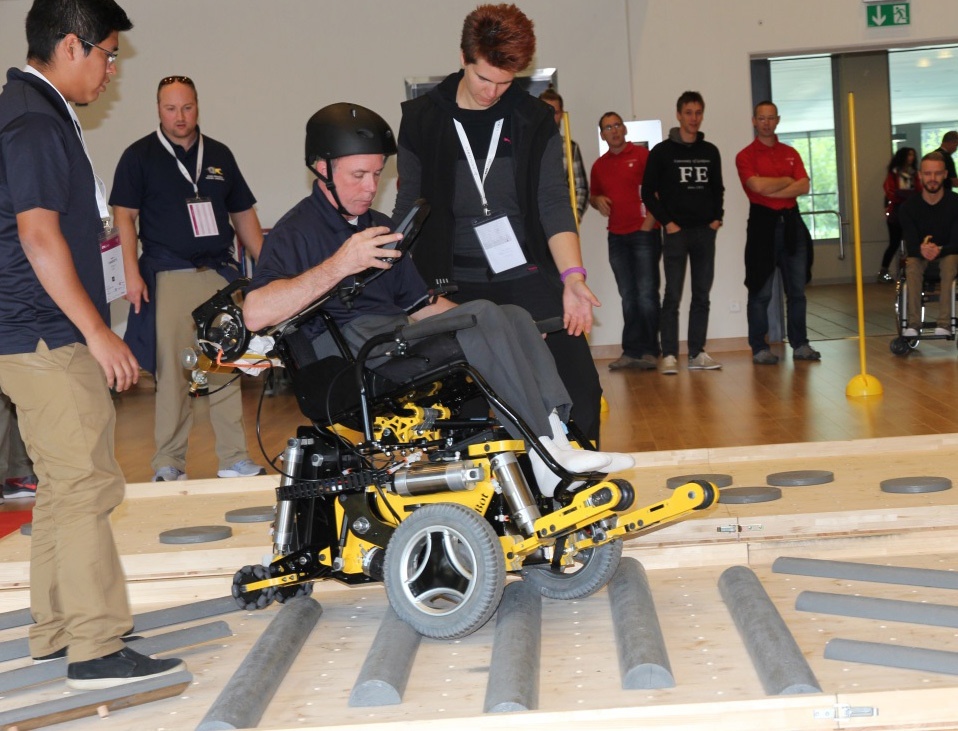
pixel 98 185
pixel 179 163
pixel 471 158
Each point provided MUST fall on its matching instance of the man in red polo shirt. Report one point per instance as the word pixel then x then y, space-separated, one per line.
pixel 635 245
pixel 773 176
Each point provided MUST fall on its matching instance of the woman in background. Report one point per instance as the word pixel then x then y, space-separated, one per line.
pixel 901 182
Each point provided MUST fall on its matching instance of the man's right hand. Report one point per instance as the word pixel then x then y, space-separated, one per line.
pixel 115 358
pixel 365 249
pixel 603 204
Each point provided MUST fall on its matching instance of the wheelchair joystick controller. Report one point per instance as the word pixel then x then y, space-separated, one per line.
pixel 516 490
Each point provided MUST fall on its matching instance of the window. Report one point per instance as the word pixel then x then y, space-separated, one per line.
pixel 802 90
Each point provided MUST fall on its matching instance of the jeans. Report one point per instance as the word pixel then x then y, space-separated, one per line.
pixel 635 262
pixel 697 246
pixel 794 269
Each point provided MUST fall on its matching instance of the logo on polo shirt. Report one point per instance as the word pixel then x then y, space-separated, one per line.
pixel 214 173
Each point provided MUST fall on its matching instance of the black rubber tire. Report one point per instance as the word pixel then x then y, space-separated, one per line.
pixel 444 571
pixel 259 599
pixel 591 571
pixel 284 593
pixel 899 346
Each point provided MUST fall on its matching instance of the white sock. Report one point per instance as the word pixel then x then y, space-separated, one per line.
pixel 573 460
pixel 617 461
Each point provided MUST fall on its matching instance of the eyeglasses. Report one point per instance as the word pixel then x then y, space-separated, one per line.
pixel 110 55
pixel 610 127
pixel 167 80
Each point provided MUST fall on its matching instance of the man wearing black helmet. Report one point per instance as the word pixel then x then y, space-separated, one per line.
pixel 334 234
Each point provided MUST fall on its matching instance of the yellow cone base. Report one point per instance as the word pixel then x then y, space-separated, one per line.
pixel 863 385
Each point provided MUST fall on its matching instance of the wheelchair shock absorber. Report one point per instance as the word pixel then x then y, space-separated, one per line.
pixel 292 464
pixel 516 490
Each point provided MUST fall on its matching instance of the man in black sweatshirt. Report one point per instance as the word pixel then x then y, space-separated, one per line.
pixel 683 189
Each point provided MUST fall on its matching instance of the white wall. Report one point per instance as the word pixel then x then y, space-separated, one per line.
pixel 263 67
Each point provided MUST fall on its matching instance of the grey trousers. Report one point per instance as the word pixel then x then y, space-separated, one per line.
pixel 508 351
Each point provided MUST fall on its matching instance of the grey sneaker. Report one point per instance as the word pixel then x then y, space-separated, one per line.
pixel 648 362
pixel 909 332
pixel 765 357
pixel 669 365
pixel 243 468
pixel 626 361
pixel 806 352
pixel 168 474
pixel 703 362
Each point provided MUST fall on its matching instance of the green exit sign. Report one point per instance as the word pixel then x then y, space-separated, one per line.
pixel 888 14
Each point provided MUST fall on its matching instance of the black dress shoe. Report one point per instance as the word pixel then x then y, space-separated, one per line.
pixel 124 666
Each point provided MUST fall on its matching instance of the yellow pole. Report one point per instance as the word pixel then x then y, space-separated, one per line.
pixel 862 384
pixel 569 167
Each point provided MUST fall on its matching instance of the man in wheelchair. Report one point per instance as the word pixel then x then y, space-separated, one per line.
pixel 929 223
pixel 334 234
pixel 436 502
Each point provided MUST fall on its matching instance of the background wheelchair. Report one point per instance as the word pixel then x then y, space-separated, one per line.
pixel 392 480
pixel 931 293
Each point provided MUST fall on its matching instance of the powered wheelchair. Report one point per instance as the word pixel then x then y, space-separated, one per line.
pixel 393 480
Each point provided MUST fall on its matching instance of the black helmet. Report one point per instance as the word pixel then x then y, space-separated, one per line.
pixel 347 129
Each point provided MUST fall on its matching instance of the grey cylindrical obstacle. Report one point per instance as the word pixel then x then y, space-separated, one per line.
pixel 779 661
pixel 514 671
pixel 53 669
pixel 643 659
pixel 934 578
pixel 185 613
pixel 12 649
pixel 893 656
pixel 385 672
pixel 16 618
pixel 867 607
pixel 64 706
pixel 242 702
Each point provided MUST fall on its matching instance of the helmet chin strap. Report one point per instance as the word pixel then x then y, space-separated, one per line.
pixel 331 187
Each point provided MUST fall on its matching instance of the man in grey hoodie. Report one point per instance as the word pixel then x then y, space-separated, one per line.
pixel 683 190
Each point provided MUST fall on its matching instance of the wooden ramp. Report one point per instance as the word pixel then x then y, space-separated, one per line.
pixel 716 685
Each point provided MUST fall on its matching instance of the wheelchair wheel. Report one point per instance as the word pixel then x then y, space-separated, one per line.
pixel 899 346
pixel 257 599
pixel 591 571
pixel 444 571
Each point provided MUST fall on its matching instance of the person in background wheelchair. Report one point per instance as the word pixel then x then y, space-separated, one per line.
pixel 334 234
pixel 929 223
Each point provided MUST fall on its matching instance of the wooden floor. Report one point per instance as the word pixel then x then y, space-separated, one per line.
pixel 740 405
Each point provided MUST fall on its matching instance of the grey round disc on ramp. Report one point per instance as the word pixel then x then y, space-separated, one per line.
pixel 196 534
pixel 259 514
pixel 800 478
pixel 745 495
pixel 718 480
pixel 26 529
pixel 915 484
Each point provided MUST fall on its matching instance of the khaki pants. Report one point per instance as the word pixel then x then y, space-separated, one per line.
pixel 914 272
pixel 177 294
pixel 77 587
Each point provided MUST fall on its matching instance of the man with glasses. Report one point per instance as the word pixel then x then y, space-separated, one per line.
pixel 186 190
pixel 58 355
pixel 683 189
pixel 635 243
pixel 773 176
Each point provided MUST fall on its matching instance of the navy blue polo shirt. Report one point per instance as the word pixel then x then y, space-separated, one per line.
pixel 43 165
pixel 148 179
pixel 313 231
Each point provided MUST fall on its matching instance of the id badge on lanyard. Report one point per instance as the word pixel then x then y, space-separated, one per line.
pixel 496 236
pixel 200 210
pixel 111 255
